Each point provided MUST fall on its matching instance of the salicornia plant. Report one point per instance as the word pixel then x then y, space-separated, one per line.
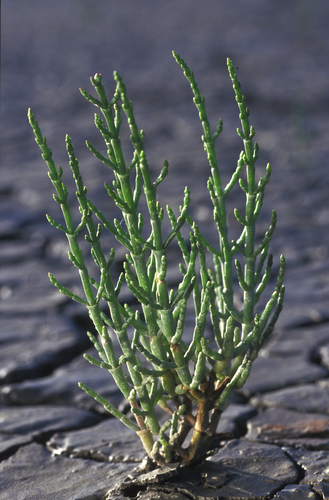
pixel 190 382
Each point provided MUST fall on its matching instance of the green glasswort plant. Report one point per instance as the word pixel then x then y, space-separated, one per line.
pixel 192 383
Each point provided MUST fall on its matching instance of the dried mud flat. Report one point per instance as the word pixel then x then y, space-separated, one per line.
pixel 55 442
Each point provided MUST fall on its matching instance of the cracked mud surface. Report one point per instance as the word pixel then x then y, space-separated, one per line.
pixel 57 443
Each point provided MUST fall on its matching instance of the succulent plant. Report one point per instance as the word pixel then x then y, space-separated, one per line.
pixel 190 382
